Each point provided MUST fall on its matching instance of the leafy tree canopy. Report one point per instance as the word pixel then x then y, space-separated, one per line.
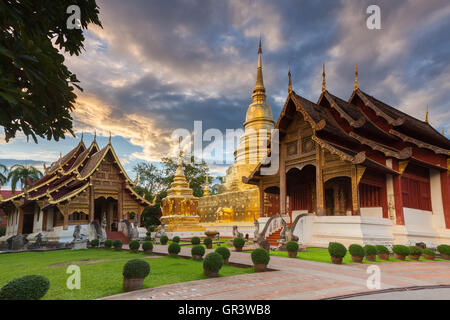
pixel 36 88
pixel 25 175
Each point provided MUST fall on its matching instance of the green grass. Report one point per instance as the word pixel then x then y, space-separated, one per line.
pixel 322 255
pixel 104 276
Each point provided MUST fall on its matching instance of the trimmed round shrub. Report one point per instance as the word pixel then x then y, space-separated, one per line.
pixel 260 256
pixel 117 244
pixel 136 269
pixel 95 243
pixel 213 262
pixel 444 249
pixel 292 246
pixel 370 250
pixel 401 250
pixel 108 243
pixel 428 252
pixel 337 250
pixel 415 251
pixel 382 249
pixel 134 245
pixel 174 248
pixel 176 239
pixel 147 245
pixel 148 238
pixel 238 242
pixel 198 250
pixel 207 241
pixel 356 250
pixel 32 287
pixel 164 239
pixel 195 240
pixel 224 252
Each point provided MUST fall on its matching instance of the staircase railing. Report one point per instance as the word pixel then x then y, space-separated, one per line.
pixel 272 225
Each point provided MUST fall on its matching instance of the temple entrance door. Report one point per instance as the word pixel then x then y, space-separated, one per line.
pixel 28 223
pixel 338 196
pixel 301 190
pixel 106 207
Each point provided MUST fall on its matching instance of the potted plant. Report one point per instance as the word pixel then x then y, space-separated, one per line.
pixel 147 246
pixel 164 239
pixel 95 243
pixel 238 243
pixel 195 241
pixel 208 243
pixel 383 252
pixel 212 264
pixel 400 251
pixel 260 258
pixel 108 243
pixel 292 249
pixel 134 273
pixel 176 239
pixel 370 252
pixel 415 252
pixel 357 252
pixel 428 254
pixel 198 252
pixel 444 250
pixel 337 252
pixel 148 238
pixel 225 253
pixel 174 249
pixel 211 233
pixel 134 245
pixel 117 244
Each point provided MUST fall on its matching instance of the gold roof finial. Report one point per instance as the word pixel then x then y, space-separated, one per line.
pixel 426 115
pixel 82 136
pixel 443 131
pixel 109 141
pixel 290 80
pixel 95 134
pixel 324 87
pixel 356 78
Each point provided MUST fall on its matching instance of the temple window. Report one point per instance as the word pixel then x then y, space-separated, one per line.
pixel 370 196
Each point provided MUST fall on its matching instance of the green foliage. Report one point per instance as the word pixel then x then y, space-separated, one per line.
pixel 148 238
pixel 356 250
pixel 32 287
pixel 213 262
pixel 238 242
pixel 136 269
pixel 401 250
pixel 117 244
pixel 26 175
pixel 4 171
pixel 147 245
pixel 224 252
pixel 195 240
pixel 2 231
pixel 164 239
pixel 108 243
pixel 260 256
pixel 415 251
pixel 174 248
pixel 444 249
pixel 337 250
pixel 36 88
pixel 176 239
pixel 207 241
pixel 381 249
pixel 198 250
pixel 95 243
pixel 292 246
pixel 134 245
pixel 370 250
pixel 428 252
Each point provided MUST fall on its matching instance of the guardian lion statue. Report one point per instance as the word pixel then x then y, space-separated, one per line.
pixel 236 233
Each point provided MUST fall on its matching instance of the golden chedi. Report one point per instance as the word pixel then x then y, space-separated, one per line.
pixel 179 208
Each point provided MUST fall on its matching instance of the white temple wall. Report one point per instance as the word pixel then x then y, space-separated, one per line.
pixel 37 219
pixel 49 219
pixel 374 212
pixel 438 219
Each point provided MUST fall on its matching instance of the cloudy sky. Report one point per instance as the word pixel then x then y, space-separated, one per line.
pixel 160 65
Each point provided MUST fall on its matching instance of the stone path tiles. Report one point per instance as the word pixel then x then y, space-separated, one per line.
pixel 295 279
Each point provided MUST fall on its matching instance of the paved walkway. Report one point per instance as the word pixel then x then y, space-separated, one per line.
pixel 296 279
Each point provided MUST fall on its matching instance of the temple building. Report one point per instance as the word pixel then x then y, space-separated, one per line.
pixel 87 187
pixel 357 170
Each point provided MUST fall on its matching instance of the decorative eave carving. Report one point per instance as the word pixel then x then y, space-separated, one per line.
pixel 378 112
pixel 402 166
pixel 69 196
pixel 332 149
pixel 419 143
pixel 376 146
pixel 355 124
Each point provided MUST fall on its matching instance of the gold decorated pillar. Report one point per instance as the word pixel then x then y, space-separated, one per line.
pixel 261 199
pixel 320 201
pixel 357 173
pixel 282 180
pixel 91 203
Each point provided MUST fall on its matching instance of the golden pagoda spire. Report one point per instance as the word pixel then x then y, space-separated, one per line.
pixel 356 78
pixel 259 92
pixel 324 87
pixel 290 80
pixel 206 188
pixel 426 115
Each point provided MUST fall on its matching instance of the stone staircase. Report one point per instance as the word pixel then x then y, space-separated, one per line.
pixel 117 235
pixel 274 237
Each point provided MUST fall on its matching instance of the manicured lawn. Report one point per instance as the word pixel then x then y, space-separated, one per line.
pixel 322 255
pixel 101 271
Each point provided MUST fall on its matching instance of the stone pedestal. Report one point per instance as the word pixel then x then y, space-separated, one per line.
pixel 79 245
